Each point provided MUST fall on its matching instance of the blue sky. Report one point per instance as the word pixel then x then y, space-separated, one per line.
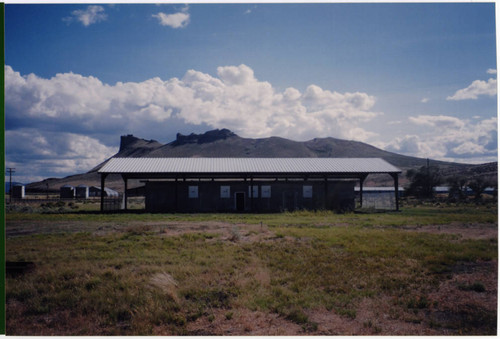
pixel 417 79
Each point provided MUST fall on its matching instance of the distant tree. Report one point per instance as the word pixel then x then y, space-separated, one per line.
pixel 478 185
pixel 423 181
pixel 457 188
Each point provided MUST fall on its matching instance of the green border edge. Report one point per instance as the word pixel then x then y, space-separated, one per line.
pixel 2 196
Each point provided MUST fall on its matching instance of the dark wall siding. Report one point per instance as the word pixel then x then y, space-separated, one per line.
pixel 174 197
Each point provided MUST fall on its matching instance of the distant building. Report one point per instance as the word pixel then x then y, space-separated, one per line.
pixel 67 192
pixel 95 191
pixel 18 191
pixel 467 191
pixel 82 192
pixel 248 184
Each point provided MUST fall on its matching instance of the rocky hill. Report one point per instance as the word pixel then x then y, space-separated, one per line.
pixel 224 143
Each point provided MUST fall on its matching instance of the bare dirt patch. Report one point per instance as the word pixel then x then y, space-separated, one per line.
pixel 468 298
pixel 374 316
pixel 464 231
pixel 453 308
pixel 243 322
pixel 236 232
pixel 62 323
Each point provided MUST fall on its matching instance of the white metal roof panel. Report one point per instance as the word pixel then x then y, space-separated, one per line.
pixel 248 165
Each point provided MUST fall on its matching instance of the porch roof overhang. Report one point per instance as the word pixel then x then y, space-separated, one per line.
pixel 174 168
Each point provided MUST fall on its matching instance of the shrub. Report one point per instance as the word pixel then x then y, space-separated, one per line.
pixel 476 287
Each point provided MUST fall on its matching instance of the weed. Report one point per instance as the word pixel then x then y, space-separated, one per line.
pixel 92 283
pixel 350 313
pixel 235 234
pixel 310 326
pixel 167 284
pixel 139 230
pixel 216 297
pixel 476 287
pixel 420 302
pixel 297 316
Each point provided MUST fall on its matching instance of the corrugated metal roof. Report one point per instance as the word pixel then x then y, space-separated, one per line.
pixel 248 165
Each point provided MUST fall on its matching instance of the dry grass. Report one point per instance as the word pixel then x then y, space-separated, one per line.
pixel 167 284
pixel 309 274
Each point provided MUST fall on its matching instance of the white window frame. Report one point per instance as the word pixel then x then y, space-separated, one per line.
pixel 265 191
pixel 255 191
pixel 225 192
pixel 307 191
pixel 193 192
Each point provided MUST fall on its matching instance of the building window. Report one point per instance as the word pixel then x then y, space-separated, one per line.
pixel 255 191
pixel 193 192
pixel 225 192
pixel 307 191
pixel 265 191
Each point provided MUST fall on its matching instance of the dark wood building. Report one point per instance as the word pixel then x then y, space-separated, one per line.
pixel 248 184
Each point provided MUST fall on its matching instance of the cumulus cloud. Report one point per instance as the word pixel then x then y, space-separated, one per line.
pixel 59 153
pixel 449 138
pixel 91 15
pixel 491 71
pixel 234 99
pixel 475 89
pixel 175 20
pixel 440 121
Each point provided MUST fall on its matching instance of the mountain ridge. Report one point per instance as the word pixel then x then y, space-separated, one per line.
pixel 220 143
pixel 224 143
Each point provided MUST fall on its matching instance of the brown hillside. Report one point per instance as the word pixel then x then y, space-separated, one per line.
pixel 224 143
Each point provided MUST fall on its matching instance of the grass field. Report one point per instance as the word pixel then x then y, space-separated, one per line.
pixel 425 270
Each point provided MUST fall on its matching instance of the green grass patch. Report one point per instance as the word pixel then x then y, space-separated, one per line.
pixel 134 280
pixel 408 216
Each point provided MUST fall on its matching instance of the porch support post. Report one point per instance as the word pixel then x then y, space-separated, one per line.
pixel 125 195
pixel 396 189
pixel 251 194
pixel 103 178
pixel 361 181
pixel 176 192
pixel 326 193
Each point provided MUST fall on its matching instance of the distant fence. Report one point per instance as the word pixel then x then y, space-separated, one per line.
pixel 41 199
pixel 113 204
pixel 379 200
pixel 110 203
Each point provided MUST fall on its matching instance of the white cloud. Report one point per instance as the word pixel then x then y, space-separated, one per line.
pixel 424 100
pixel 70 118
pixel 468 148
pixel 58 153
pixel 491 71
pixel 449 138
pixel 91 15
pixel 250 10
pixel 475 89
pixel 441 121
pixel 175 20
pixel 84 107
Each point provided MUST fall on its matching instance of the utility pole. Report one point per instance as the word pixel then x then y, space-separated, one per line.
pixel 11 170
pixel 429 188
